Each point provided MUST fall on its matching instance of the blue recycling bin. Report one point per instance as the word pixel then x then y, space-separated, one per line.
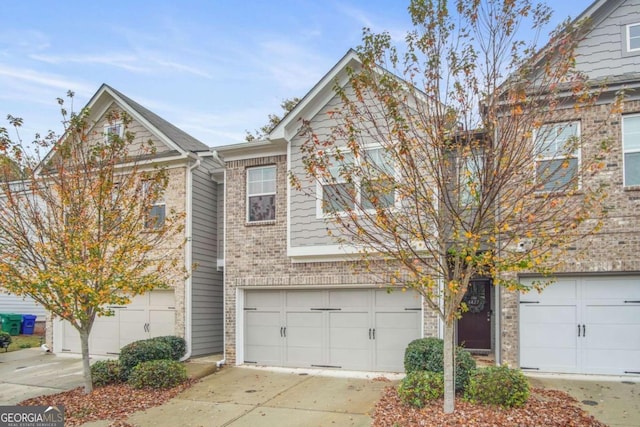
pixel 28 324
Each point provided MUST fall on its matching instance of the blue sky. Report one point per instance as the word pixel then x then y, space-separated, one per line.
pixel 213 68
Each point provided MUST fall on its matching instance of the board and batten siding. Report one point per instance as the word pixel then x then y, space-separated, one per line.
pixel 602 54
pixel 19 305
pixel 207 281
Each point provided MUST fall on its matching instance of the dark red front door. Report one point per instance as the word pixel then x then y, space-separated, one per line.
pixel 474 328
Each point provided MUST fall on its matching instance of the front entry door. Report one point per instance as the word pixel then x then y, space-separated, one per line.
pixel 474 328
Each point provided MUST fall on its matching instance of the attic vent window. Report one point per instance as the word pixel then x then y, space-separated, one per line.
pixel 633 37
pixel 116 129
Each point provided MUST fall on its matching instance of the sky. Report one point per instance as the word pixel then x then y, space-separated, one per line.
pixel 213 68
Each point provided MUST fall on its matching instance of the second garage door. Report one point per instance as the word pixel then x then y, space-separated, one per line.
pixel 356 329
pixel 582 325
pixel 148 315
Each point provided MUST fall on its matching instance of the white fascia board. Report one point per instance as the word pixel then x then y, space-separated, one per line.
pixel 325 253
pixel 251 150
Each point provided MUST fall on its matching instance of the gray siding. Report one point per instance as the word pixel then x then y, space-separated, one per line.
pixel 207 296
pixel 306 228
pixel 603 52
pixel 19 305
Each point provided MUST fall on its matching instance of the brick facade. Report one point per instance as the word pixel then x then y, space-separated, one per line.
pixel 256 254
pixel 615 247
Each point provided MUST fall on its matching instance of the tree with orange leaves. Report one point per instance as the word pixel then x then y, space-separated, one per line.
pixel 457 156
pixel 78 231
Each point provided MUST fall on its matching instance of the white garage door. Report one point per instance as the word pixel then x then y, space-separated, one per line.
pixel 582 325
pixel 357 329
pixel 148 315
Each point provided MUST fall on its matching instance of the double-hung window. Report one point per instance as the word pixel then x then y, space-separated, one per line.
pixel 261 194
pixel 633 37
pixel 470 168
pixel 359 184
pixel 157 211
pixel 557 156
pixel 631 149
pixel 113 129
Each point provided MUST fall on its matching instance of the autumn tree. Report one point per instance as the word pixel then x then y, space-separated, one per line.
pixel 449 159
pixel 78 229
pixel 287 105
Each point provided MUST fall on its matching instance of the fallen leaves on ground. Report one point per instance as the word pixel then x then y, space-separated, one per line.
pixel 549 408
pixel 112 402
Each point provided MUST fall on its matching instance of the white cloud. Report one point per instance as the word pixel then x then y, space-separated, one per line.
pixel 45 79
pixel 126 62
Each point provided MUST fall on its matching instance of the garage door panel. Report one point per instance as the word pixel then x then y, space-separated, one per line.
pixel 550 359
pixel 395 300
pixel 347 298
pixel 612 336
pixel 303 339
pixel 265 299
pixel 262 337
pixel 393 332
pixel 105 334
pixel 606 288
pixel 548 315
pixel 613 314
pixel 302 299
pixel 161 322
pixel 612 361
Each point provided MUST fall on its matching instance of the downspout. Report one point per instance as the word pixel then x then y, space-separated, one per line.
pixel 224 246
pixel 188 257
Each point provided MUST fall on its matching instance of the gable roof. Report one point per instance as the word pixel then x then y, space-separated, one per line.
pixel 179 138
pixel 317 97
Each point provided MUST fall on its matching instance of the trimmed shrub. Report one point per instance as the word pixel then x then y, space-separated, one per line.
pixel 178 345
pixel 105 372
pixel 137 352
pixel 419 387
pixel 158 374
pixel 5 340
pixel 427 354
pixel 497 385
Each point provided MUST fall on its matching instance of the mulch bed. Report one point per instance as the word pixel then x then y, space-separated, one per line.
pixel 112 402
pixel 548 408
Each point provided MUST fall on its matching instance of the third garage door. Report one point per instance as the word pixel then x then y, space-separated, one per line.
pixel 357 329
pixel 587 324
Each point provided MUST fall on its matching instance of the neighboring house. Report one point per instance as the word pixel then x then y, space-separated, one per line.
pixel 589 321
pixel 295 298
pixel 193 308
pixel 19 305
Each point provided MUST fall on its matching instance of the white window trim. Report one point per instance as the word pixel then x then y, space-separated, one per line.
pixel 321 214
pixel 110 126
pixel 628 37
pixel 624 152
pixel 274 193
pixel 578 155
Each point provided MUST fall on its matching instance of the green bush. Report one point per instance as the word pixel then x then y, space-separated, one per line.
pixel 137 352
pixel 497 385
pixel 158 374
pixel 418 387
pixel 427 354
pixel 178 345
pixel 105 372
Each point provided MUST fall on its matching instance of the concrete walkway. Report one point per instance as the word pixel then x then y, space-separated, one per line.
pixel 249 397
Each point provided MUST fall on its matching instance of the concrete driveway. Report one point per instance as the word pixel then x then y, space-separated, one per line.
pixel 31 372
pixel 238 396
pixel 613 400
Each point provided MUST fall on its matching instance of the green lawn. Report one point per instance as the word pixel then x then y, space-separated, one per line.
pixel 19 342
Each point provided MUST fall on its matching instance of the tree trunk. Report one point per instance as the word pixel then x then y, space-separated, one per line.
pixel 449 368
pixel 86 367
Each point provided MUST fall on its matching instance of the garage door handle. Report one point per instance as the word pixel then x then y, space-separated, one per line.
pixel 374 333
pixel 284 332
pixel 584 331
pixel 369 333
pixel 283 328
pixel 578 330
